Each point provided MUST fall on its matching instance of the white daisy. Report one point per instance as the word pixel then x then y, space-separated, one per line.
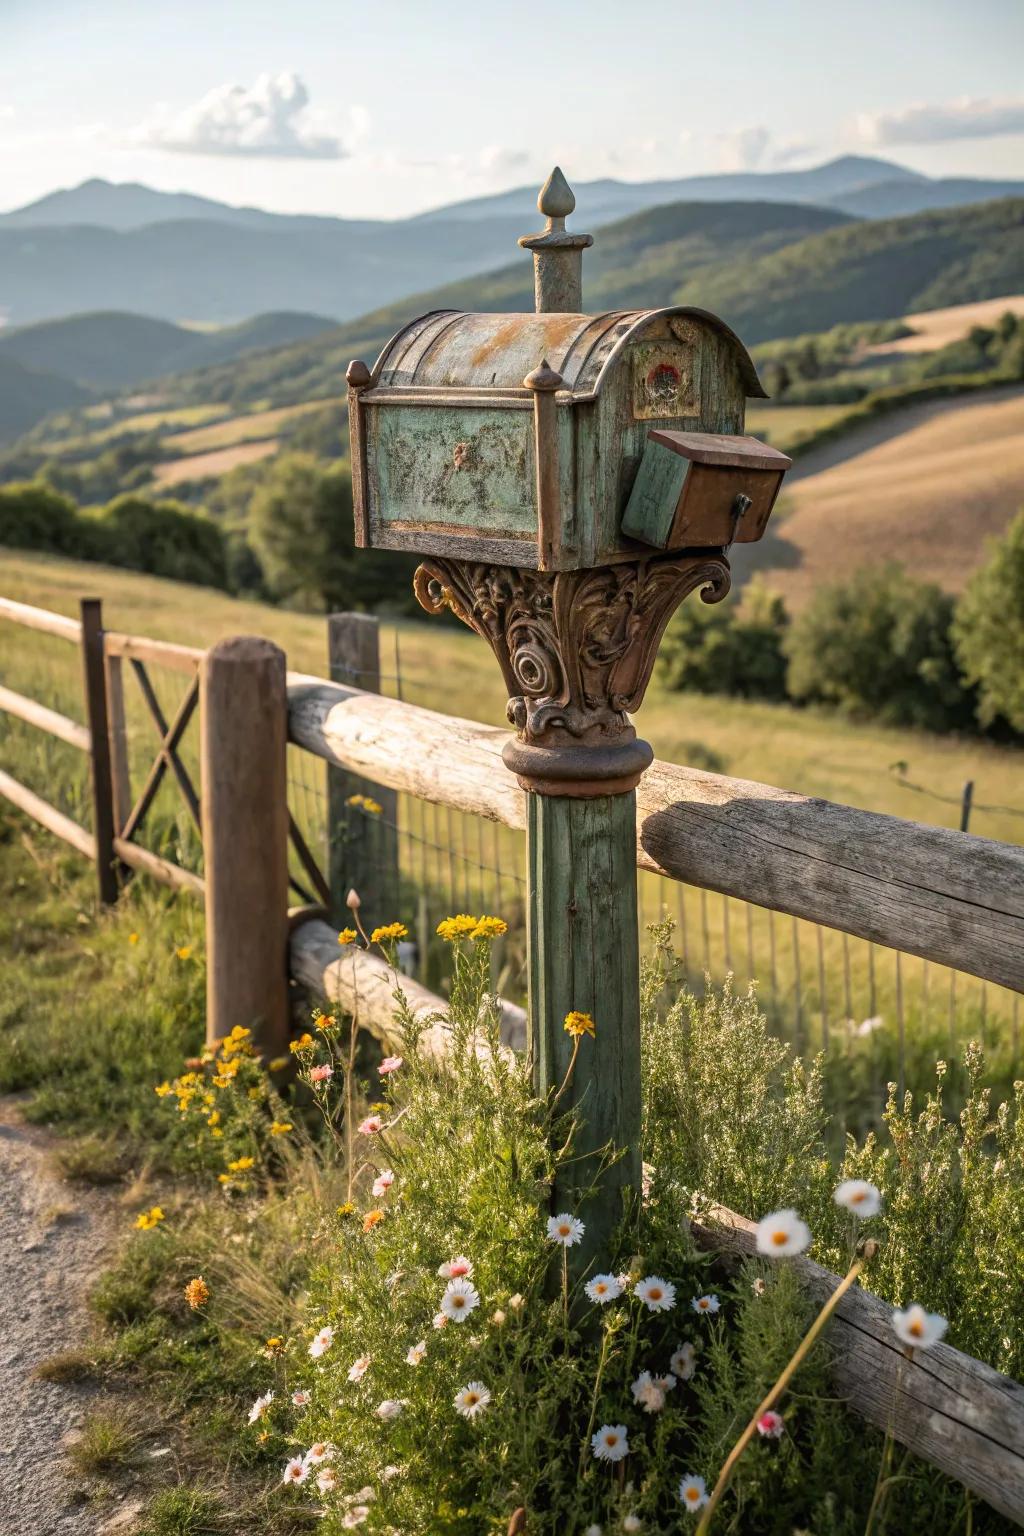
pixel 295 1471
pixel 354 1516
pixel 318 1453
pixel 440 1321
pixel 603 1288
pixel 693 1492
pixel 917 1328
pixel 358 1369
pixel 260 1407
pixel 647 1392
pixel 666 1382
pixel 416 1354
pixel 860 1197
pixel 389 1409
pixel 459 1268
pixel 327 1480
pixel 610 1443
pixel 782 1234
pixel 565 1229
pixel 322 1343
pixel 301 1398
pixel 383 1182
pixel 459 1299
pixel 632 1523
pixel 472 1399
pixel 684 1361
pixel 657 1295
pixel 708 1304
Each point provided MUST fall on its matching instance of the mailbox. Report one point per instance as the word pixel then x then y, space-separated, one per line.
pixel 557 440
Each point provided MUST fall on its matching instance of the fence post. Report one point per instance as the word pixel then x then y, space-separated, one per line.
pixel 966 802
pixel 243 728
pixel 362 846
pixel 99 748
pixel 118 736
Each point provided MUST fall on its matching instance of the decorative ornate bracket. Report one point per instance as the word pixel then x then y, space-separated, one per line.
pixel 576 651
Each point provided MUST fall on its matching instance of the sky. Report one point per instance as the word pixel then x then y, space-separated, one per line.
pixel 380 110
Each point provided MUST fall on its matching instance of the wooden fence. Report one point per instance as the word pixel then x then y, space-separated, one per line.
pixel 949 897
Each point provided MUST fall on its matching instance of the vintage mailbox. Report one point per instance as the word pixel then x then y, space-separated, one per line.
pixel 556 440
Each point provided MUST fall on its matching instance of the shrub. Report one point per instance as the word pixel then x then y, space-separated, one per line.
pixel 988 630
pixel 164 538
pixel 35 516
pixel 879 643
pixel 713 648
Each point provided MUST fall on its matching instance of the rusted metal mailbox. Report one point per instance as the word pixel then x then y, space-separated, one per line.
pixel 557 440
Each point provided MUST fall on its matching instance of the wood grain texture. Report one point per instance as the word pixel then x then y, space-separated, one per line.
pixel 41 619
pixel 960 1415
pixel 179 658
pixel 44 719
pixel 949 897
pixel 117 725
pixel 48 816
pixel 95 683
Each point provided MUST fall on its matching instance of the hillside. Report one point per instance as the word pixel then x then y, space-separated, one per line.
pixel 115 350
pixel 27 395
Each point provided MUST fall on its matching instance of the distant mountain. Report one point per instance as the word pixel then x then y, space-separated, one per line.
pixel 177 257
pixel 114 350
pixel 27 395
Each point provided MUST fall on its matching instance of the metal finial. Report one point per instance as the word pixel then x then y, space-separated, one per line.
pixel 556 199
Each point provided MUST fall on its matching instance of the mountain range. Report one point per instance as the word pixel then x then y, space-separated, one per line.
pixel 176 256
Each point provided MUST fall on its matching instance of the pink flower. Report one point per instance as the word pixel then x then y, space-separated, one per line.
pixel 383 1182
pixel 321 1074
pixel 371 1126
pixel 460 1268
pixel 390 1064
pixel 771 1425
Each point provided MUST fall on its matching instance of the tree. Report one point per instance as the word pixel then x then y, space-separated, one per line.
pixel 164 538
pixel 880 644
pixel 717 649
pixel 988 630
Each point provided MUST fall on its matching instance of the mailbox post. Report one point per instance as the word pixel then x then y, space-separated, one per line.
pixel 569 480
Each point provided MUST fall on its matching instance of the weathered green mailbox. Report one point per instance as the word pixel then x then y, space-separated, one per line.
pixel 568 478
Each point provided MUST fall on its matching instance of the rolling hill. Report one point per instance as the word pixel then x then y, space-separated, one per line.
pixel 27 395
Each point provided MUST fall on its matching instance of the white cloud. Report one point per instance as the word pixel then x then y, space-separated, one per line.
pixel 271 118
pixel 970 117
pixel 743 150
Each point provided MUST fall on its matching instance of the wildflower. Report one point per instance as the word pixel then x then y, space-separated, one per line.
pixel 498 1317
pixel 577 1024
pixel 260 1407
pixel 326 1480
pixel 321 1343
pixel 610 1442
pixel 472 1399
pixel 390 1064
pixel 771 1426
pixel 145 1221
pixel 278 1064
pixel 565 1229
pixel 489 928
pixel 371 1126
pixel 383 1182
pixel 296 1471
pixel 416 1354
pixel 658 1295
pixel 301 1398
pixel 632 1523
pixel 456 1269
pixel 372 1219
pixel 303 1043
pixel 603 1288
pixel 359 1368
pixel 162 1090
pixel 347 936
pixel 693 1491
pixel 355 1516
pixel 390 932
pixel 389 1409
pixel 516 1302
pixel 274 1346
pixel 684 1361
pixel 352 900
pixel 758 1286
pixel 280 1127
pixel 324 1022
pixel 241 1165
pixel 225 1179
pixel 917 1328
pixel 184 951
pixel 321 1451
pixel 197 1293
pixel 459 1299
pixel 648 1393
pixel 440 1321
pixel 782 1234
pixel 347 1208
pixel 133 938
pixel 705 1303
pixel 452 928
pixel 858 1196
pixel 321 1074
pixel 213 1119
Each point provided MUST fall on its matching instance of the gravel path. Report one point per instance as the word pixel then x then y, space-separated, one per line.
pixel 52 1242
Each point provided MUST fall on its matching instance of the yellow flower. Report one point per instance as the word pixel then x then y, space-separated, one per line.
pixel 371 1219
pixel 371 807
pixel 145 1221
pixel 184 951
pixel 224 1178
pixel 255 1093
pixel 197 1293
pixel 356 800
pixel 348 1209
pixel 133 938
pixel 452 928
pixel 221 1082
pixel 324 1022
pixel 213 1119
pixel 275 1346
pixel 392 931
pixel 281 1127
pixel 347 936
pixel 578 1024
pixel 278 1064
pixel 238 1033
pixel 241 1164
pixel 489 928
pixel 217 1133
pixel 303 1043
pixel 162 1090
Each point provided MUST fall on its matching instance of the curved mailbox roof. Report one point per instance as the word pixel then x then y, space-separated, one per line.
pixel 453 349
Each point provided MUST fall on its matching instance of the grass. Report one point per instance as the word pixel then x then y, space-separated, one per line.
pixel 785 426
pixel 187 1510
pixel 206 466
pixel 107 1442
